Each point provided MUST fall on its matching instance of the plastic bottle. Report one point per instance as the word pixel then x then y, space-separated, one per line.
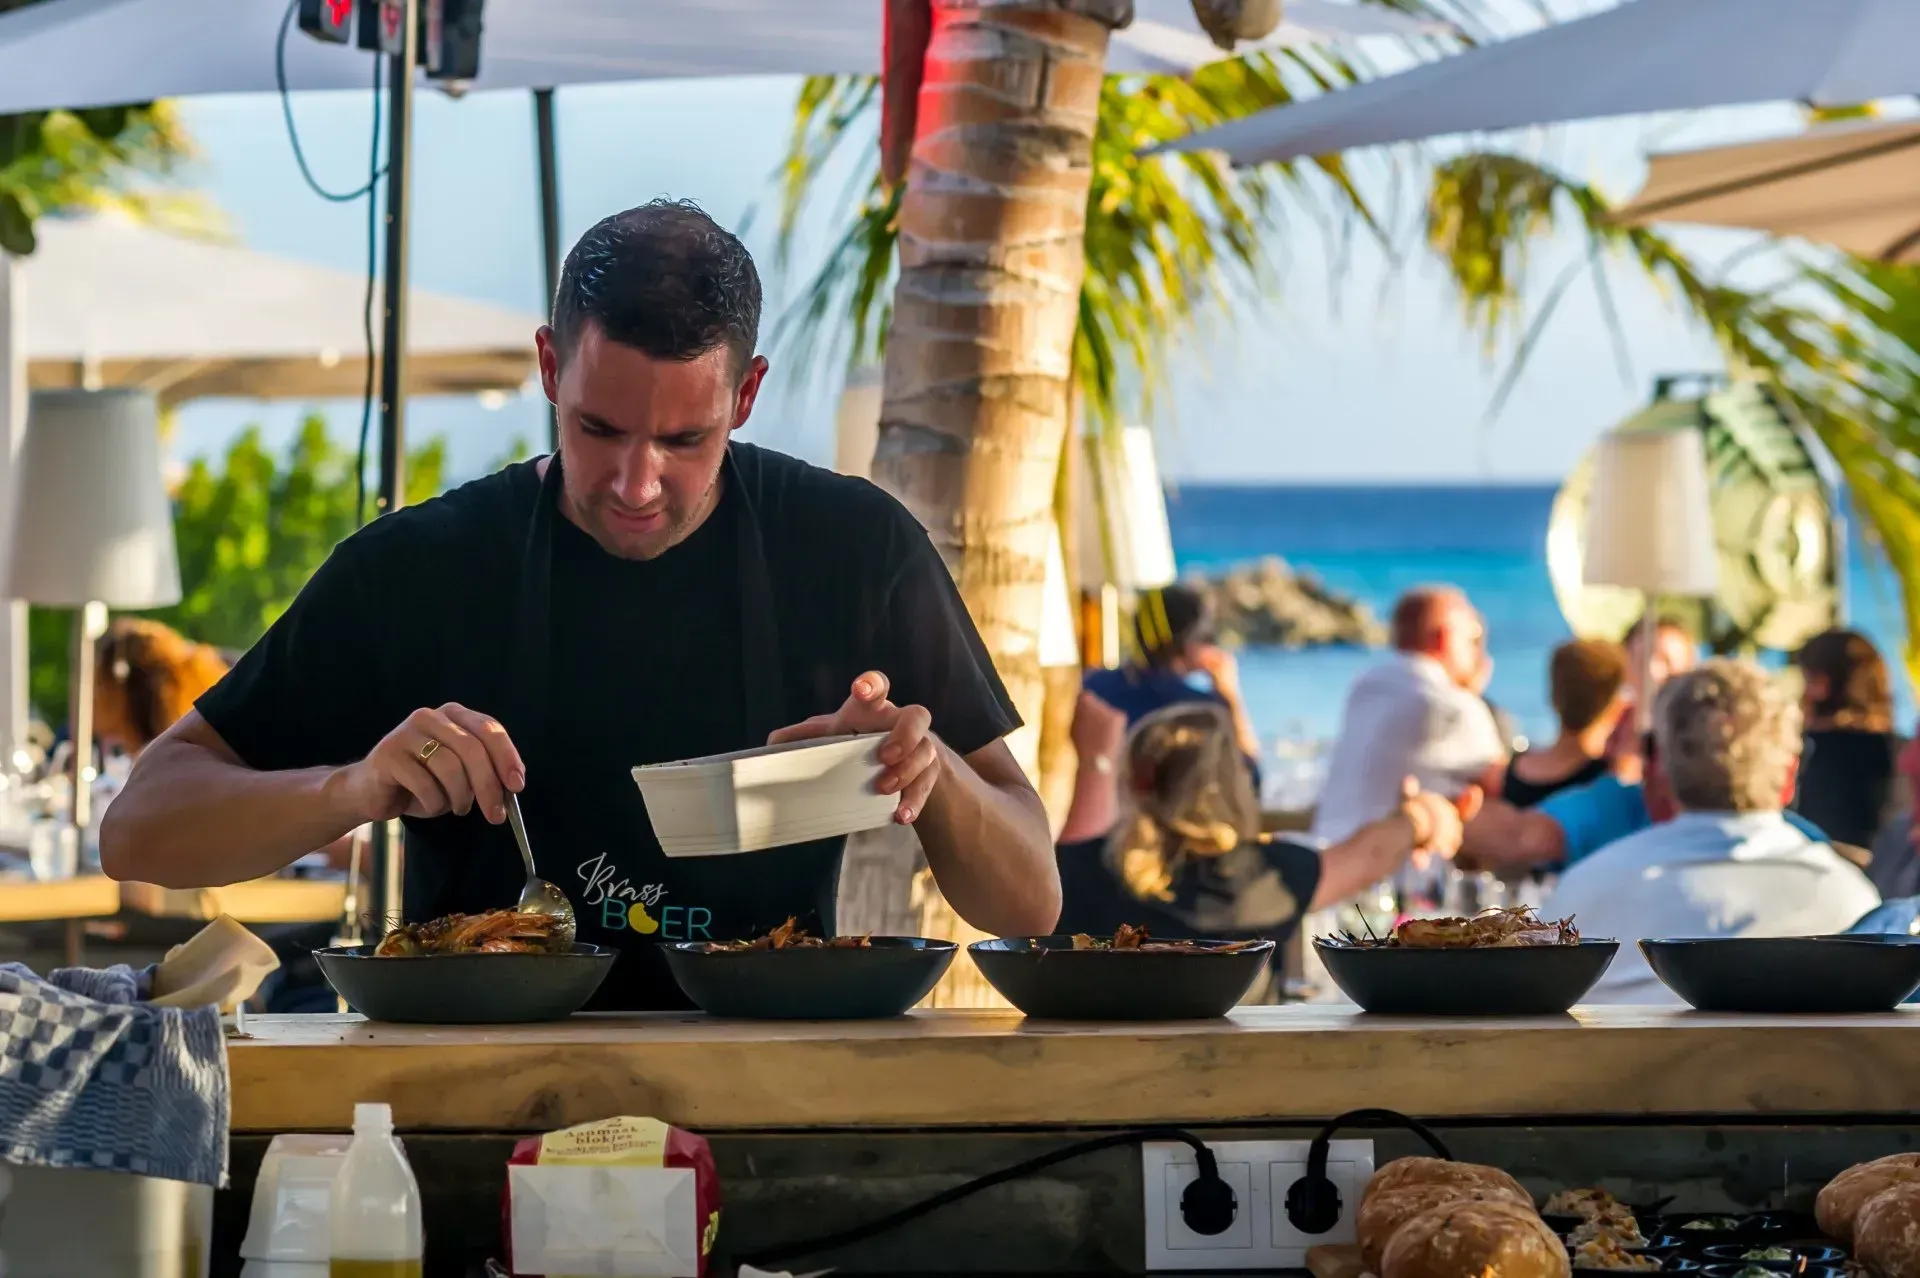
pixel 374 1219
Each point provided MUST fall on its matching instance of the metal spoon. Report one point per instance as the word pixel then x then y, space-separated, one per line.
pixel 538 896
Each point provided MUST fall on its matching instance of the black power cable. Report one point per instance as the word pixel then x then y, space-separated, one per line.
pixel 369 191
pixel 293 133
pixel 1313 1201
pixel 1208 1205
pixel 375 172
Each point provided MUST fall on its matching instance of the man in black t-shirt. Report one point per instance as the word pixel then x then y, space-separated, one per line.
pixel 654 592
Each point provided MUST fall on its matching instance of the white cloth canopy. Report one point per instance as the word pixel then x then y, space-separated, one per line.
pixel 80 53
pixel 1642 56
pixel 1854 186
pixel 116 304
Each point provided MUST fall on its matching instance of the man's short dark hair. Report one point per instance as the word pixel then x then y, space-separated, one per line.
pixel 663 278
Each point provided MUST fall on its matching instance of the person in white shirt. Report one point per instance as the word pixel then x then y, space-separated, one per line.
pixel 1726 746
pixel 1421 715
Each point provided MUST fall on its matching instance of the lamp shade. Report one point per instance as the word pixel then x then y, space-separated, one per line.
pixel 89 519
pixel 1649 514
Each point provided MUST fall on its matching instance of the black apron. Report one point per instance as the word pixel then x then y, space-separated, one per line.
pixel 589 833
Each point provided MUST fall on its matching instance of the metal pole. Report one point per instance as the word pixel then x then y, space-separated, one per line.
pixel 549 219
pixel 384 877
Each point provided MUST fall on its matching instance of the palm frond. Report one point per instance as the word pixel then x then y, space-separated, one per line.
pixel 1842 343
pixel 1169 239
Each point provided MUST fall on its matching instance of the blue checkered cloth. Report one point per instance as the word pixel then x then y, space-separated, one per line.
pixel 92 1077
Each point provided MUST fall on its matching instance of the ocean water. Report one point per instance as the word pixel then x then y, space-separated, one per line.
pixel 1375 542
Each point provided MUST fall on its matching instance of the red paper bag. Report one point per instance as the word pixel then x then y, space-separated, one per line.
pixel 586 1193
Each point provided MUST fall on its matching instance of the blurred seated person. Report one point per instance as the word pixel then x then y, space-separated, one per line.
pixel 1182 853
pixel 1179 663
pixel 1849 748
pixel 146 676
pixel 1421 714
pixel 1729 863
pixel 1895 864
pixel 1675 651
pixel 1586 682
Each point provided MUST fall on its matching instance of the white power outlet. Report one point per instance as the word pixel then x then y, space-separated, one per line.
pixel 1260 1173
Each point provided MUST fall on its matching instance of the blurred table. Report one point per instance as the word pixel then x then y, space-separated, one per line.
pixel 256 901
pixel 69 901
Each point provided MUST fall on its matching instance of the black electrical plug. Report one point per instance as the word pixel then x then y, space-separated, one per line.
pixel 1208 1205
pixel 1313 1201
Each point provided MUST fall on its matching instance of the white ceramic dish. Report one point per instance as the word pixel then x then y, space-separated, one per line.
pixel 767 797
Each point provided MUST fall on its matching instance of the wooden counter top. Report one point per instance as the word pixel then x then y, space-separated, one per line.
pixel 88 896
pixel 984 1069
pixel 258 901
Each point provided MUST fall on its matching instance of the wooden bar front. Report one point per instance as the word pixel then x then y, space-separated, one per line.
pixel 995 1070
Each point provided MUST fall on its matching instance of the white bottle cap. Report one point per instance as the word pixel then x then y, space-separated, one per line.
pixel 372 1118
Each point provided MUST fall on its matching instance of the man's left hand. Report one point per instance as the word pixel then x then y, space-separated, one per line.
pixel 911 753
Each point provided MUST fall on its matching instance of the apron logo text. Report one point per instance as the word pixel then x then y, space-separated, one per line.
pixel 623 906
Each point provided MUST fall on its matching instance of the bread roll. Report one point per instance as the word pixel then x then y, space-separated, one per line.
pixel 1476 1240
pixel 1840 1202
pixel 1402 1172
pixel 1382 1215
pixel 1886 1233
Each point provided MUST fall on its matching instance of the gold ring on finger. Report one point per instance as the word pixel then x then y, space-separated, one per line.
pixel 426 750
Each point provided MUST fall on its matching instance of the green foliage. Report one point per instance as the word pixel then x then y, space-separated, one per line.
pixel 249 535
pixel 1167 238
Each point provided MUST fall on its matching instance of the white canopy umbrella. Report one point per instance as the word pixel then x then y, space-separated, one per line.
pixel 81 53
pixel 1853 186
pixel 1641 56
pixel 110 303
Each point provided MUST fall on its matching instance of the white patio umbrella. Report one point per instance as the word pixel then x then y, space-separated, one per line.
pixel 1853 186
pixel 80 53
pixel 107 303
pixel 1641 56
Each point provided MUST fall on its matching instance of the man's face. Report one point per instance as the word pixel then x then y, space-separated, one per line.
pixel 642 438
pixel 1463 643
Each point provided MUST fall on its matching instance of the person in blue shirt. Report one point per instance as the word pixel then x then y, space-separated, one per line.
pixel 1573 824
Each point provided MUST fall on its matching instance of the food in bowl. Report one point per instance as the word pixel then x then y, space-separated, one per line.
pixel 1511 927
pixel 493 932
pixel 1606 1251
pixel 790 936
pixel 1129 937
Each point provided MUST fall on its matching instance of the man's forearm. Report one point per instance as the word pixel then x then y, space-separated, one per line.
pixel 189 818
pixel 990 850
pixel 1503 837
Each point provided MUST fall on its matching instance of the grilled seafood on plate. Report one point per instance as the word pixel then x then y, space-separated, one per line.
pixel 1135 938
pixel 791 936
pixel 1512 927
pixel 494 932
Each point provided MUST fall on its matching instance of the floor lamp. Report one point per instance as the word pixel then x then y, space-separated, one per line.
pixel 1650 528
pixel 91 528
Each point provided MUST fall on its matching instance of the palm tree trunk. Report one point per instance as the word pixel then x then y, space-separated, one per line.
pixel 979 355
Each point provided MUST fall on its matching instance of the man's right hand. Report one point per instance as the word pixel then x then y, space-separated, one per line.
pixel 436 762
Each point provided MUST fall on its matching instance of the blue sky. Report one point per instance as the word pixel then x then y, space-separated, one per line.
pixel 1360 372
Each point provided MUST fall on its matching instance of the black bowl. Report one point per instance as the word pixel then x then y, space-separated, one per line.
pixel 1735 1254
pixel 465 989
pixel 817 983
pixel 1830 974
pixel 1520 980
pixel 1735 1270
pixel 1044 976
